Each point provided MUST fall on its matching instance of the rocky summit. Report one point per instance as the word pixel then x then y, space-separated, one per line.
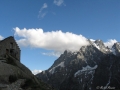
pixel 92 67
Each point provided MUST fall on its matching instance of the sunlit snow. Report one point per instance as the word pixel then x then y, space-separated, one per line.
pixel 53 69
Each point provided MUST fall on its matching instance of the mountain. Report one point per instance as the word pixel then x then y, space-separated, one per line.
pixel 15 76
pixel 91 67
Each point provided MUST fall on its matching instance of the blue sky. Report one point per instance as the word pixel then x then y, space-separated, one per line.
pixel 48 25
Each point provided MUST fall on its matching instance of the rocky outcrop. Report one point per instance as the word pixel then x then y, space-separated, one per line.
pixel 16 76
pixel 93 67
pixel 116 49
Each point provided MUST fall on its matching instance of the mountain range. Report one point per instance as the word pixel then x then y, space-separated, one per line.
pixel 92 67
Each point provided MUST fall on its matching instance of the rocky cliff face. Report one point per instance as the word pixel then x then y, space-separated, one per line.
pixel 16 76
pixel 92 67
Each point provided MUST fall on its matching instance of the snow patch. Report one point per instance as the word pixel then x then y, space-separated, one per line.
pixel 53 69
pixel 87 68
pixel 96 46
pixel 61 64
pixel 93 43
pixel 109 78
pixel 113 51
pixel 91 72
pixel 36 71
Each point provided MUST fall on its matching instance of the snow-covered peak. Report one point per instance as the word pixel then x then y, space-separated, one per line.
pixel 99 45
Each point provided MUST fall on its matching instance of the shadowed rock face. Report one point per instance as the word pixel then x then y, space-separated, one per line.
pixel 92 67
pixel 16 76
pixel 116 49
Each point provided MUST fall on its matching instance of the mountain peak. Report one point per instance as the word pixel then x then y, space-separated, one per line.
pixel 67 52
pixel 81 70
pixel 116 49
pixel 99 41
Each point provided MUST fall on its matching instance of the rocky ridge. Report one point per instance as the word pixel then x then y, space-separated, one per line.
pixel 15 76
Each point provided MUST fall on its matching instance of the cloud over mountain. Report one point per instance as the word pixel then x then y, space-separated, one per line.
pixel 1 37
pixel 57 41
pixel 110 42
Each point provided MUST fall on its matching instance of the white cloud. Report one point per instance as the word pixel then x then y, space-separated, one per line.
pixel 110 42
pixel 59 2
pixel 92 40
pixel 41 13
pixel 57 41
pixel 36 71
pixel 1 37
pixel 56 54
pixel 43 7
